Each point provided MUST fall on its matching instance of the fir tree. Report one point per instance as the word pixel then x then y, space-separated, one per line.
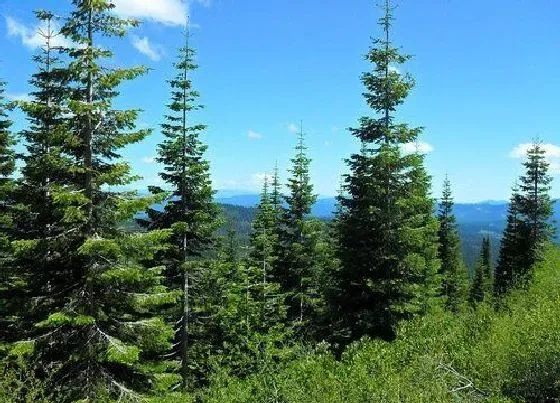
pixel 276 196
pixel 387 233
pixel 293 267
pixel 452 269
pixel 46 174
pixel 486 256
pixel 529 226
pixel 481 281
pixel 102 317
pixel 536 207
pixel 511 245
pixel 189 210
pixel 264 236
pixel 7 187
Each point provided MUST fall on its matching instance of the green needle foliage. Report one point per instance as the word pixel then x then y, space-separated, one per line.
pixel 387 233
pixel 264 236
pixel 42 271
pixel 97 302
pixel 7 185
pixel 529 227
pixel 481 285
pixel 189 211
pixel 293 269
pixel 453 270
pixel 536 206
pixel 509 260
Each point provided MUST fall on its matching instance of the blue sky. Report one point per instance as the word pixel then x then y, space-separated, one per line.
pixel 486 74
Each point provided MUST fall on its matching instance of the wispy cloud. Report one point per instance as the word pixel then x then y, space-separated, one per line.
pixel 257 179
pixel 417 147
pixel 254 135
pixel 292 128
pixel 149 160
pixel 552 153
pixel 144 46
pixel 520 151
pixel 31 37
pixel 19 97
pixel 167 12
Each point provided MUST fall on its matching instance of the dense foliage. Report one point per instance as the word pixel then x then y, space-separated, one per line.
pixel 109 296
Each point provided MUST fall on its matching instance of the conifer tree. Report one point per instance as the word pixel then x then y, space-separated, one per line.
pixel 529 226
pixel 511 244
pixel 481 281
pixel 536 206
pixel 264 235
pixel 101 319
pixel 486 256
pixel 45 173
pixel 276 197
pixel 453 271
pixel 189 211
pixel 7 167
pixel 293 268
pixel 387 233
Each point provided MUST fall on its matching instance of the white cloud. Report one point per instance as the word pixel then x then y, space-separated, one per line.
pixel 254 135
pixel 552 151
pixel 144 46
pixel 149 160
pixel 258 178
pixel 19 97
pixel 168 12
pixel 292 128
pixel 31 36
pixel 394 69
pixel 418 147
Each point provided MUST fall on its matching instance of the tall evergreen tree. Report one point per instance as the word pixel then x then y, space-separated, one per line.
pixel 264 236
pixel 387 232
pixel 293 268
pixel 100 320
pixel 536 206
pixel 7 167
pixel 529 226
pixel 481 282
pixel 276 197
pixel 511 244
pixel 46 172
pixel 453 270
pixel 486 256
pixel 190 211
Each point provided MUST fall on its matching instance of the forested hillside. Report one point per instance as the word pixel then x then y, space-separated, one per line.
pixel 111 295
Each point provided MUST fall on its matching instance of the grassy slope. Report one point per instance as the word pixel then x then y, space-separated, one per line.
pixel 513 355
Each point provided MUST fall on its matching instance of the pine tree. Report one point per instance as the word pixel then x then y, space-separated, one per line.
pixel 45 174
pixel 511 245
pixel 529 226
pixel 189 211
pixel 481 282
pixel 452 269
pixel 387 233
pixel 293 267
pixel 7 187
pixel 486 256
pixel 264 236
pixel 102 302
pixel 276 196
pixel 536 207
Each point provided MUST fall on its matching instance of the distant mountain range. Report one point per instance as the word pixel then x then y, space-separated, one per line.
pixel 475 219
pixel 482 212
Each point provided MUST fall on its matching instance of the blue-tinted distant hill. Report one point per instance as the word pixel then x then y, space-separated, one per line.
pixel 475 219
